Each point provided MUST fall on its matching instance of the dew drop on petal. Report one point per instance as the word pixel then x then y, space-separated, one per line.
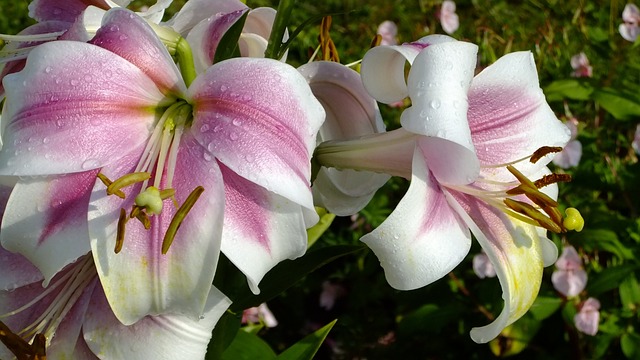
pixel 123 37
pixel 206 156
pixel 224 88
pixel 217 128
pixel 211 146
pixel 435 104
pixel 204 128
pixel 48 69
pixel 424 114
pixel 233 136
pixel 236 122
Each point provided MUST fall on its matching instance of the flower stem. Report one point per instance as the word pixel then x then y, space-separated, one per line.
pixel 185 60
pixel 279 26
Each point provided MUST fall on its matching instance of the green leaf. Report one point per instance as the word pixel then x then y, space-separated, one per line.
pixel 630 343
pixel 604 239
pixel 621 105
pixel 223 334
pixel 287 273
pixel 306 348
pixel 429 318
pixel 314 233
pixel 247 346
pixel 280 23
pixel 228 46
pixel 568 89
pixel 608 279
pixel 544 307
pixel 630 292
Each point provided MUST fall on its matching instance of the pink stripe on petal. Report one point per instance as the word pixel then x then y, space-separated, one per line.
pixel 260 228
pixel 259 118
pixel 65 115
pixel 195 11
pixel 205 37
pixel 129 36
pixel 140 280
pixel 508 115
pixel 423 239
pixel 46 220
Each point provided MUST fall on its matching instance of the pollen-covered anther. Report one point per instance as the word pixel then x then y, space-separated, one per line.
pixel 122 221
pixel 545 150
pixel 181 213
pixel 552 179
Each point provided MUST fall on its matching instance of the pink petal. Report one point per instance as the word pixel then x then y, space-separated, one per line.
pixel 516 252
pixel 46 220
pixel 66 10
pixel 388 30
pixel 206 35
pixel 569 283
pixel 194 11
pixel 129 36
pixel 631 13
pixel 351 113
pixel 508 114
pixel 570 155
pixel 482 266
pixel 388 86
pixel 448 17
pixel 423 239
pixel 569 260
pixel 259 118
pixel 66 115
pixel 587 319
pixel 153 337
pixel 140 280
pixel 260 228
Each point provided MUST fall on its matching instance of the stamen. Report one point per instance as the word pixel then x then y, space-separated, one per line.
pixel 574 220
pixel 122 221
pixel 31 38
pixel 534 214
pixel 126 180
pixel 137 213
pixel 545 150
pixel 107 182
pixel 150 200
pixel 523 179
pixel 17 345
pixel 552 179
pixel 179 217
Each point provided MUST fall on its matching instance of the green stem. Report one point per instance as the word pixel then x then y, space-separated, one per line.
pixel 185 60
pixel 279 27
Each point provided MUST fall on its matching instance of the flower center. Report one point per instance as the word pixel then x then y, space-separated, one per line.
pixel 523 199
pixel 65 290
pixel 158 160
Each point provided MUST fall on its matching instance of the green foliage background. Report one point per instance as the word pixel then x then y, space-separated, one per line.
pixel 377 322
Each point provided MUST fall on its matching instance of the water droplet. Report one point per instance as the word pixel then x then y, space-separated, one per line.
pixel 224 88
pixel 123 37
pixel 204 128
pixel 58 81
pixel 90 164
pixel 114 28
pixel 233 136
pixel 424 114
pixel 211 146
pixel 435 104
pixel 421 85
pixel 59 123
pixel 45 140
pixel 246 97
pixel 24 83
pixel 249 158
pixel 217 128
pixel 48 69
pixel 87 78
pixel 234 94
pixel 236 122
pixel 206 156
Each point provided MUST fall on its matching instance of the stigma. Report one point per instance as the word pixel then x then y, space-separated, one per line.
pixel 157 164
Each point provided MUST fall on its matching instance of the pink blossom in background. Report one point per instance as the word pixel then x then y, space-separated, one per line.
pixel 636 140
pixel 448 17
pixel 259 314
pixel 330 293
pixel 569 278
pixel 588 317
pixel 580 65
pixel 482 266
pixel 572 152
pixel 631 17
pixel 388 30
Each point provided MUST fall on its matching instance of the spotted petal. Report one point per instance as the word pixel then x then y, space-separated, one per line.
pixel 75 107
pixel 260 119
pixel 423 239
pixel 140 280
pixel 260 228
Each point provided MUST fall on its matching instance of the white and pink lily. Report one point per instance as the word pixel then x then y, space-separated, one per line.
pixel 175 162
pixel 465 143
pixel 351 112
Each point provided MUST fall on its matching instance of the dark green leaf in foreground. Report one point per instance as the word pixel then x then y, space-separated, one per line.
pixel 247 346
pixel 306 348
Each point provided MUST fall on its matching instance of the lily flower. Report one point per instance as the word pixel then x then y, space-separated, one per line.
pixel 477 148
pixel 174 164
pixel 351 112
pixel 448 17
pixel 569 278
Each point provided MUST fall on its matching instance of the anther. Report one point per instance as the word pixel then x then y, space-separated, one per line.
pixel 538 154
pixel 523 179
pixel 122 221
pixel 107 182
pixel 181 213
pixel 534 214
pixel 552 179
pixel 126 180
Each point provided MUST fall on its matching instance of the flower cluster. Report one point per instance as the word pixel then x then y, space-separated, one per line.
pixel 137 151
